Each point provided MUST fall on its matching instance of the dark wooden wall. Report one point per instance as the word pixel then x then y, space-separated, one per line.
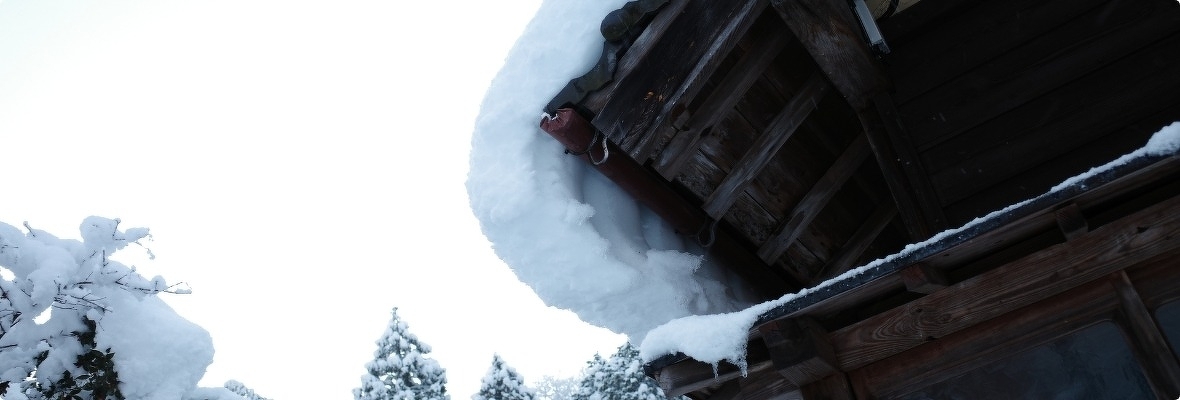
pixel 1003 99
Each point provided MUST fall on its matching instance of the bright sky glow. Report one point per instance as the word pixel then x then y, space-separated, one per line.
pixel 300 164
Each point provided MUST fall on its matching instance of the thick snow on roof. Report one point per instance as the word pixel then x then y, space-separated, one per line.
pixel 714 338
pixel 563 228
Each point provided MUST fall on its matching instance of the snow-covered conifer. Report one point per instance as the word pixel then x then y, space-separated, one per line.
pixel 554 388
pixel 241 389
pixel 618 378
pixel 400 369
pixel 76 324
pixel 502 383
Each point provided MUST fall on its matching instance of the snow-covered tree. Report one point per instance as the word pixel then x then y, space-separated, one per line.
pixel 76 324
pixel 241 389
pixel 618 378
pixel 502 383
pixel 554 388
pixel 400 369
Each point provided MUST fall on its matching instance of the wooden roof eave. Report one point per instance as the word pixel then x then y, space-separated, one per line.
pixel 1054 210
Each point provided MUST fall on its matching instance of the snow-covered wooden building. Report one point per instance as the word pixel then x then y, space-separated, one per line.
pixel 799 140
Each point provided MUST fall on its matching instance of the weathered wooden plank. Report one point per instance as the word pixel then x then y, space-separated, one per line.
pixel 988 342
pixel 721 101
pixel 1040 221
pixel 672 72
pixel 765 147
pixel 1051 172
pixel 1121 91
pixel 575 133
pixel 858 243
pixel 830 33
pixel 1058 123
pixel 1120 244
pixel 922 278
pixel 909 186
pixel 1161 366
pixel 969 39
pixel 815 199
pixel 833 387
pixel 691 375
pixel 1031 70
pixel 619 28
pixel 636 53
pixel 767 386
pixel 1071 222
pixel 739 24
pixel 1155 281
pixel 799 350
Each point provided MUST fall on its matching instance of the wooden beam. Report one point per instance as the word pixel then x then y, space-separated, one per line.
pixel 815 200
pixel 636 53
pixel 1161 366
pixel 723 99
pixel 829 31
pixel 858 243
pixel 765 147
pixel 576 134
pixel 922 278
pixel 908 184
pixel 799 349
pixel 691 375
pixel 989 342
pixel 1070 221
pixel 834 387
pixel 728 391
pixel 674 72
pixel 1152 231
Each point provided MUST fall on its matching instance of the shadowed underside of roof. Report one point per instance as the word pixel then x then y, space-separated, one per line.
pixel 771 130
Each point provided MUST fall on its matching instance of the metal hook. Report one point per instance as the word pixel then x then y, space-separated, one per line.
pixel 710 228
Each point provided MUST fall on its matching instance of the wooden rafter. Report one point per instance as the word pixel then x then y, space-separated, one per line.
pixel 815 199
pixel 765 147
pixel 673 73
pixel 907 180
pixel 829 32
pixel 858 243
pixel 720 102
pixel 576 134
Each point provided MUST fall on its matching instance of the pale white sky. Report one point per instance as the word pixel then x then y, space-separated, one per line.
pixel 300 164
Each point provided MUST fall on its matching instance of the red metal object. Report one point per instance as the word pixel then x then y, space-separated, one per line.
pixel 576 134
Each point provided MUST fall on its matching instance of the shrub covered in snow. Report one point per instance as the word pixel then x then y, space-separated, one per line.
pixel 73 322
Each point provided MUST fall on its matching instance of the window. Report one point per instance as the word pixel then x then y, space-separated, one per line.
pixel 1168 318
pixel 1092 363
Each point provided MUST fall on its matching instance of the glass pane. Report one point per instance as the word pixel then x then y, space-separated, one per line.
pixel 1168 317
pixel 1093 363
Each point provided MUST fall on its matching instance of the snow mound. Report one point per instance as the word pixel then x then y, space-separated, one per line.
pixel 564 229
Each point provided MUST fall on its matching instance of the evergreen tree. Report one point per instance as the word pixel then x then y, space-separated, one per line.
pixel 618 378
pixel 240 389
pixel 553 388
pixel 400 369
pixel 502 383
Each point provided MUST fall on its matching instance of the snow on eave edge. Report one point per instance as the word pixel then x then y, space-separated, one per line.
pixel 1163 146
